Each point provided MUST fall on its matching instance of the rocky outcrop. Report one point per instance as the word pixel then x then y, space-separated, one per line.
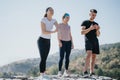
pixel 79 77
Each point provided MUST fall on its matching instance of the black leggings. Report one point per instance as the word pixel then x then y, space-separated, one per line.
pixel 66 47
pixel 44 48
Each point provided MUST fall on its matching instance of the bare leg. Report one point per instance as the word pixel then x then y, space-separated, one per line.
pixel 87 61
pixel 92 64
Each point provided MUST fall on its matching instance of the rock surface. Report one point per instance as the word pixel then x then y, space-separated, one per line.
pixel 78 77
pixel 71 77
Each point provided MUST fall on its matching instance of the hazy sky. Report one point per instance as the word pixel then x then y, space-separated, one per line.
pixel 20 24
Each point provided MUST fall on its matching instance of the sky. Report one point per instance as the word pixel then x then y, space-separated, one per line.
pixel 20 24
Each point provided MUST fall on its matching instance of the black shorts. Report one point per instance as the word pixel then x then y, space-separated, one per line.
pixel 92 45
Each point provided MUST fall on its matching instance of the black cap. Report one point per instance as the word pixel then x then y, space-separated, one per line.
pixel 93 10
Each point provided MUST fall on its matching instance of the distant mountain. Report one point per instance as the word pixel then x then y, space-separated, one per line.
pixel 24 66
pixel 20 66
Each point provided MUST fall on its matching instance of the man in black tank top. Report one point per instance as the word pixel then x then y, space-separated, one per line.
pixel 91 30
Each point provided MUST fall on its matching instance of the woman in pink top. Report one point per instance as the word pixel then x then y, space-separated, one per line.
pixel 65 43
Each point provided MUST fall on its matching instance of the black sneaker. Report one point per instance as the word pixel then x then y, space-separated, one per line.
pixel 92 74
pixel 85 74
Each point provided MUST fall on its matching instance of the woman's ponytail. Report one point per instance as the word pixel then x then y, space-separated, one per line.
pixel 46 11
pixel 45 15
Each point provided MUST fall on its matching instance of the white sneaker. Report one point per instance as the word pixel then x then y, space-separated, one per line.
pixel 40 77
pixel 43 77
pixel 66 74
pixel 46 77
pixel 59 73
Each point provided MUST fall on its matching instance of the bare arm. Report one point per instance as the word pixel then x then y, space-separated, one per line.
pixel 85 31
pixel 59 41
pixel 59 37
pixel 98 31
pixel 44 31
pixel 71 40
pixel 56 24
pixel 58 34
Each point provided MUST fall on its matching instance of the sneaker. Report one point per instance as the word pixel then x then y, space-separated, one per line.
pixel 40 77
pixel 59 73
pixel 66 74
pixel 85 74
pixel 43 77
pixel 92 74
pixel 46 77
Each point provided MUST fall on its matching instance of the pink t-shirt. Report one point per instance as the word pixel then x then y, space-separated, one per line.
pixel 64 32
